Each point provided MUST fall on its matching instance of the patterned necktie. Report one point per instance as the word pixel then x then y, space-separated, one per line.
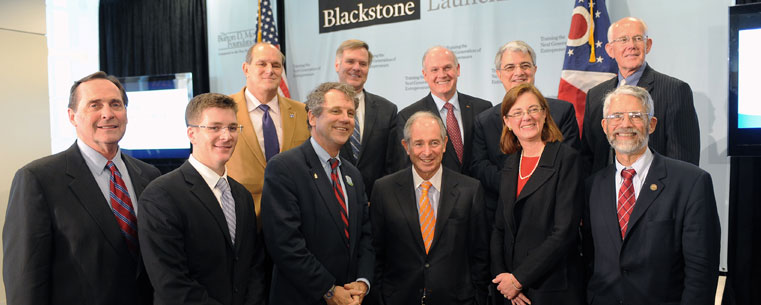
pixel 338 191
pixel 228 206
pixel 453 130
pixel 122 207
pixel 271 144
pixel 355 139
pixel 427 219
pixel 625 200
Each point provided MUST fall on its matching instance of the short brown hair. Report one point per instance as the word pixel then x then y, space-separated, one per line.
pixel 316 99
pixel 550 132
pixel 352 44
pixel 74 97
pixel 201 102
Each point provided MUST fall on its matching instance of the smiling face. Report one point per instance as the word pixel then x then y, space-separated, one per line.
pixel 214 148
pixel 526 127
pixel 512 72
pixel 264 71
pixel 335 124
pixel 630 55
pixel 441 71
pixel 101 116
pixel 426 147
pixel 628 137
pixel 352 67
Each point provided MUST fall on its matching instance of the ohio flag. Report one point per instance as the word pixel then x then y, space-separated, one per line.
pixel 586 62
pixel 266 31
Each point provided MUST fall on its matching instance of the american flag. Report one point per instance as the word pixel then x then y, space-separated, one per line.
pixel 266 31
pixel 586 62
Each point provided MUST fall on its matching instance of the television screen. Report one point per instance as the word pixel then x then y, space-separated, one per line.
pixel 744 138
pixel 156 116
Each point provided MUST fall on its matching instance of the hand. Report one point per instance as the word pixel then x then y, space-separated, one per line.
pixel 507 285
pixel 341 296
pixel 357 289
pixel 521 299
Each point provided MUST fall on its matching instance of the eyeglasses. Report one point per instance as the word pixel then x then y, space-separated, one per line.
pixel 531 111
pixel 635 117
pixel 233 129
pixel 626 39
pixel 524 66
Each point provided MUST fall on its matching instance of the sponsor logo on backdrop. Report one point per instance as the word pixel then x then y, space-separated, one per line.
pixel 435 5
pixel 337 15
pixel 235 42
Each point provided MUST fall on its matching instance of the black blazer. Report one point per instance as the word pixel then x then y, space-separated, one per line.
pixel 186 244
pixel 469 107
pixel 677 134
pixel 542 250
pixel 488 158
pixel 671 250
pixel 380 150
pixel 304 231
pixel 455 270
pixel 61 242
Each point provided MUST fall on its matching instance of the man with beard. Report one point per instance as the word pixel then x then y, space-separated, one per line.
pixel 664 245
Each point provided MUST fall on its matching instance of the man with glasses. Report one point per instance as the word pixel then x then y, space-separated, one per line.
pixel 652 219
pixel 197 225
pixel 679 135
pixel 271 122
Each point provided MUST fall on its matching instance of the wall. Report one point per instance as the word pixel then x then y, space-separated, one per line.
pixel 23 92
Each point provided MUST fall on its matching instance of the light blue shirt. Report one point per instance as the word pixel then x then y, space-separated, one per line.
pixel 323 155
pixel 633 79
pixel 455 101
pixel 641 168
pixel 97 165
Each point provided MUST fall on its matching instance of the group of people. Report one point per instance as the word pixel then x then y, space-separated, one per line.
pixel 343 199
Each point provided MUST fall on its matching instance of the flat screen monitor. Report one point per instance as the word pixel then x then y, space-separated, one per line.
pixel 156 115
pixel 744 138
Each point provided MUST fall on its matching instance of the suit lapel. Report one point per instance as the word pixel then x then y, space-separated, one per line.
pixel 139 182
pixel 203 193
pixel 324 185
pixel 607 205
pixel 544 170
pixel 646 80
pixel 405 198
pixel 647 194
pixel 288 121
pixel 370 111
pixel 248 134
pixel 241 215
pixel 353 206
pixel 511 180
pixel 449 195
pixel 466 112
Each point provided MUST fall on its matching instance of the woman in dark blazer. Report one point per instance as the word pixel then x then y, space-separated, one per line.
pixel 534 253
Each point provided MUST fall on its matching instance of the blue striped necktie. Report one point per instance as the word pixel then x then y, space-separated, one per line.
pixel 121 206
pixel 355 139
pixel 228 206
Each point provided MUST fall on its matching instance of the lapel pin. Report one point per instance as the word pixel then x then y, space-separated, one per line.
pixel 291 115
pixel 348 180
pixel 315 175
pixel 653 187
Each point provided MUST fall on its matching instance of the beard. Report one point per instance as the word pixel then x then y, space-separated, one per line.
pixel 629 146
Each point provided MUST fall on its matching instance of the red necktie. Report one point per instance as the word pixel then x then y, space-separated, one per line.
pixel 122 207
pixel 338 191
pixel 453 130
pixel 625 200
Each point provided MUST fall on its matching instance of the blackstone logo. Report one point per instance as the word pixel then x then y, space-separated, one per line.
pixel 336 15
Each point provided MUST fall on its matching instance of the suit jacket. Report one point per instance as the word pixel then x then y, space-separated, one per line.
pixel 248 161
pixel 677 134
pixel 469 107
pixel 186 244
pixel 536 234
pixel 304 231
pixel 455 270
pixel 488 158
pixel 61 242
pixel 379 152
pixel 671 251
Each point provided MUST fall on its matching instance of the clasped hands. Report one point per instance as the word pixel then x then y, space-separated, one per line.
pixel 349 294
pixel 510 288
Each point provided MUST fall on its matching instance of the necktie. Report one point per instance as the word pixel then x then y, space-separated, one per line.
pixel 427 219
pixel 625 200
pixel 355 139
pixel 122 207
pixel 228 206
pixel 271 144
pixel 338 191
pixel 453 130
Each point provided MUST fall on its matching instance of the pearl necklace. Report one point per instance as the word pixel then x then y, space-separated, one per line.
pixel 520 166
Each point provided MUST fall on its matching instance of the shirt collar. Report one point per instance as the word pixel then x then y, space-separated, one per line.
pixel 640 165
pixel 633 79
pixel 435 180
pixel 209 176
pixel 322 154
pixel 440 103
pixel 96 161
pixel 252 103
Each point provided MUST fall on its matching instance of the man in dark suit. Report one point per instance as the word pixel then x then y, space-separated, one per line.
pixel 429 230
pixel 679 135
pixel 70 235
pixel 373 146
pixel 515 64
pixel 198 226
pixel 314 209
pixel 652 219
pixel 458 111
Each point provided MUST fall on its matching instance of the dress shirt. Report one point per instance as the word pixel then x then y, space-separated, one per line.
pixel 360 113
pixel 323 155
pixel 455 101
pixel 97 165
pixel 256 115
pixel 633 79
pixel 641 167
pixel 434 193
pixel 209 176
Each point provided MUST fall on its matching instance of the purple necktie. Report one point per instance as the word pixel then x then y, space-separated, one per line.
pixel 271 144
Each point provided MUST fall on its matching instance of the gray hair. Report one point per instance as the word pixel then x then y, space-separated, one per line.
pixel 514 46
pixel 421 115
pixel 425 55
pixel 610 28
pixel 316 98
pixel 637 92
